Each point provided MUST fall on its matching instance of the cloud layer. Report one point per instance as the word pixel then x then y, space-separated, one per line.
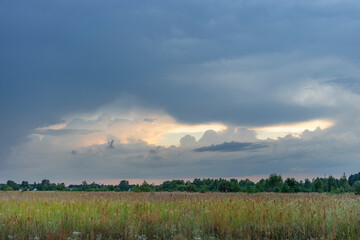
pixel 233 152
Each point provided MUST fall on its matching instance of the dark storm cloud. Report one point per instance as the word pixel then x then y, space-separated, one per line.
pixel 231 147
pixel 64 57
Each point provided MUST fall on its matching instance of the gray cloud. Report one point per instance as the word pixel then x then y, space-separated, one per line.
pixel 188 141
pixel 210 137
pixel 60 132
pixel 231 134
pixel 149 120
pixel 231 147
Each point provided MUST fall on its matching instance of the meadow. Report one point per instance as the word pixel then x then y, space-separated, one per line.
pixel 110 215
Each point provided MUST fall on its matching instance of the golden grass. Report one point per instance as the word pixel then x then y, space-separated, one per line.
pixel 78 215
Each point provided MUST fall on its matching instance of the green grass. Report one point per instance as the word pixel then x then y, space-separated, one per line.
pixel 74 215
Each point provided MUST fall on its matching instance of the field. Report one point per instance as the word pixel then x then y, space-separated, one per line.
pixel 77 215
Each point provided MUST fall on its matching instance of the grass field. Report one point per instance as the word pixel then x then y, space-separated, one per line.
pixel 77 215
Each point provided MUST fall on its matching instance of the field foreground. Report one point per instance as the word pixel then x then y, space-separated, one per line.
pixel 77 215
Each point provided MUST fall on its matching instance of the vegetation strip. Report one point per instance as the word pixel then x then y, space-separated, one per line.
pixel 274 183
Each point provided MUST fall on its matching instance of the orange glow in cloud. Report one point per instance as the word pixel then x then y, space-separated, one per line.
pixel 295 129
pixel 53 127
pixel 160 130
pixel 182 128
pixel 157 129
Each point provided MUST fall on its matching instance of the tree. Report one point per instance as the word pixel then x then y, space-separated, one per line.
pixel 357 187
pixel 290 185
pixel 45 185
pixel 197 182
pixel 124 186
pixel 61 187
pixel 343 182
pixel 223 186
pixel 260 186
pixel 24 184
pixel 84 186
pixel 331 184
pixel 273 183
pixel 318 185
pixel 234 187
pixel 93 187
pixel 12 185
pixel 307 185
pixel 353 178
pixel 191 188
pixel 145 187
pixel 8 188
pixel 204 189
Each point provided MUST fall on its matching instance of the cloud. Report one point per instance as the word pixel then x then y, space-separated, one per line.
pixel 315 153
pixel 59 132
pixel 231 147
pixel 211 137
pixel 149 120
pixel 228 135
pixel 187 141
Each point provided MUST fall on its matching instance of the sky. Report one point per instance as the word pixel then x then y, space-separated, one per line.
pixel 108 90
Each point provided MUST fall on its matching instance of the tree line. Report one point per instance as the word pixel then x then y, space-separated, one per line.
pixel 274 183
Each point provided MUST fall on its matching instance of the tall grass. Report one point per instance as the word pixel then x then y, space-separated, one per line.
pixel 68 215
